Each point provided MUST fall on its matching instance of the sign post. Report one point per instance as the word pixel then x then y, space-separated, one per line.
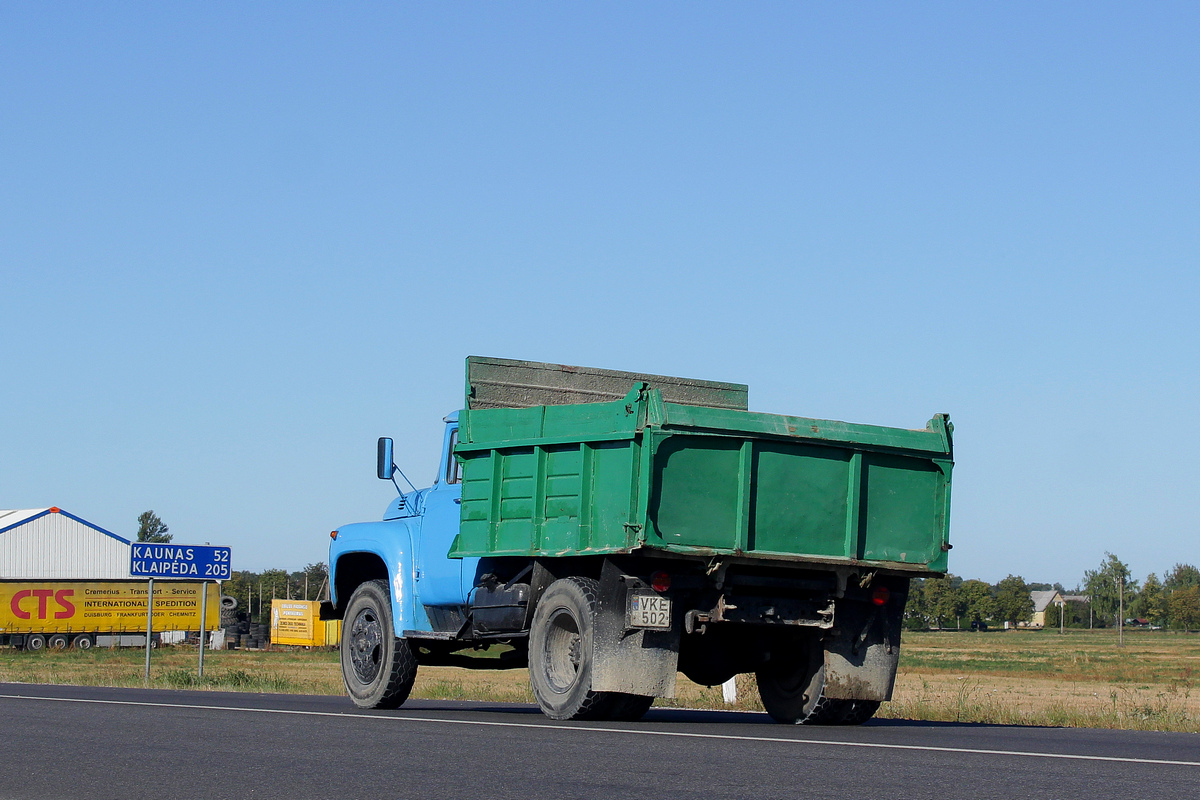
pixel 200 562
pixel 203 610
pixel 149 626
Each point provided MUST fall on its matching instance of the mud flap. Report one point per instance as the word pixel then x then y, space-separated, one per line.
pixel 633 661
pixel 862 666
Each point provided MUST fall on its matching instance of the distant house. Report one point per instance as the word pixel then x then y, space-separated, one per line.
pixel 1042 601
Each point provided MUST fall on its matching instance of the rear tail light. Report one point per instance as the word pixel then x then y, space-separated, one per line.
pixel 880 596
pixel 333 534
pixel 660 581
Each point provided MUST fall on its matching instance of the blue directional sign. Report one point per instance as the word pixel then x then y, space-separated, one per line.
pixel 201 562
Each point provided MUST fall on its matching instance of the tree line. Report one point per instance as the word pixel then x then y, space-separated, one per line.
pixel 1112 594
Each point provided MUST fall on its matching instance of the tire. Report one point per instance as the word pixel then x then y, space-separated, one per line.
pixel 83 641
pixel 561 657
pixel 35 642
pixel 792 686
pixel 630 707
pixel 378 669
pixel 859 711
pixel 58 641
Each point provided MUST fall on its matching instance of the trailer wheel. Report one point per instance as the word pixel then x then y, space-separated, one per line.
pixel 35 641
pixel 84 641
pixel 792 686
pixel 58 641
pixel 560 654
pixel 378 669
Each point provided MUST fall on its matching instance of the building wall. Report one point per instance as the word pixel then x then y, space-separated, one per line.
pixel 59 546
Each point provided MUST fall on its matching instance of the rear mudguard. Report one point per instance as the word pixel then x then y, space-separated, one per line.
pixel 862 654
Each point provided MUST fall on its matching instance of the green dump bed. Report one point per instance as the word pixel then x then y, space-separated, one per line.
pixel 650 463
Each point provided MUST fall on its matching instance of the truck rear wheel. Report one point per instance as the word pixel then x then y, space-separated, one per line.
pixel 630 707
pixel 561 656
pixel 858 711
pixel 35 641
pixel 792 688
pixel 83 641
pixel 378 669
pixel 58 641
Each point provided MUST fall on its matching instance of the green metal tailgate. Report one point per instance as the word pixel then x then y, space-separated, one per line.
pixel 641 472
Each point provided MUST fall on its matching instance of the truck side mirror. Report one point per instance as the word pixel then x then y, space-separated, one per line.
pixel 385 467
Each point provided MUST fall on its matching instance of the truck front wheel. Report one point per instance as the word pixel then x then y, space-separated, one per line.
pixel 561 657
pixel 378 669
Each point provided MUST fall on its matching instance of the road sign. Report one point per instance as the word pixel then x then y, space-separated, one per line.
pixel 179 561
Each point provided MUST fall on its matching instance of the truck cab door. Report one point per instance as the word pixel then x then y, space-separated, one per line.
pixel 440 580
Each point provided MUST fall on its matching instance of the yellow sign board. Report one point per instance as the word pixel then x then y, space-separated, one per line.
pixel 299 622
pixel 103 607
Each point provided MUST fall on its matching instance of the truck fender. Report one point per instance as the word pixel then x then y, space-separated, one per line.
pixel 391 542
pixel 631 661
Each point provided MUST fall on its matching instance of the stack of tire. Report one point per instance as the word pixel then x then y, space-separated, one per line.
pixel 229 619
pixel 236 635
pixel 260 634
pixel 247 635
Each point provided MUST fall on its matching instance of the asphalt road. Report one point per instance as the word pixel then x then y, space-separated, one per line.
pixel 68 742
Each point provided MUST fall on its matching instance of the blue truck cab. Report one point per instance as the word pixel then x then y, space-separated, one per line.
pixel 408 548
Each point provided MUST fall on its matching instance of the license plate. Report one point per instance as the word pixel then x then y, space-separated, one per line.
pixel 649 611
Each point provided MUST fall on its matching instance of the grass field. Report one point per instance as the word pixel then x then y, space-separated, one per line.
pixel 1080 679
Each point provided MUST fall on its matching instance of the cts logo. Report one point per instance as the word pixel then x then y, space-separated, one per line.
pixel 43 596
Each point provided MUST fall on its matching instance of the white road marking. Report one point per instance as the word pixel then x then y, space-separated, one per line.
pixel 630 731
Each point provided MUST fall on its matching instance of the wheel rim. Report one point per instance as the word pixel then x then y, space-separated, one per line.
pixel 563 653
pixel 366 645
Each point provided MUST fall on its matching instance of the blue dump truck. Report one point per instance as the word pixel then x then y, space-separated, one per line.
pixel 609 530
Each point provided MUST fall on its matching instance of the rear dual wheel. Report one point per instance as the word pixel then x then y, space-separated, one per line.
pixel 858 711
pixel 792 689
pixel 561 658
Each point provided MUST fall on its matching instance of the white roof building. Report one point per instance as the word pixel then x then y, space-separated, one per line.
pixel 50 544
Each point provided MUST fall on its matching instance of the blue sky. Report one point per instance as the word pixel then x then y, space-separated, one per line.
pixel 238 244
